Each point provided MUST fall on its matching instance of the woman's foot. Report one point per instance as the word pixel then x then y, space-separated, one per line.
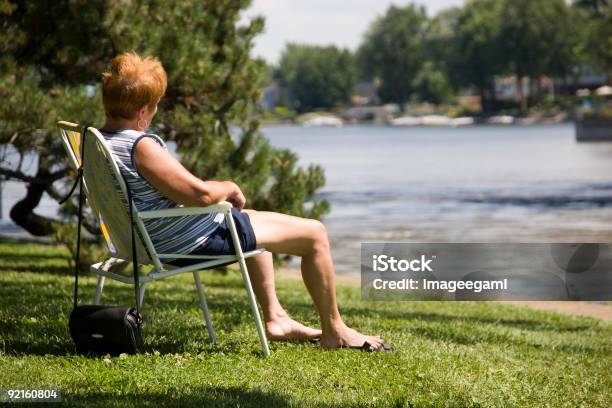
pixel 344 336
pixel 286 329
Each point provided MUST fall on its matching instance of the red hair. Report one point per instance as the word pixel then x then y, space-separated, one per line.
pixel 131 83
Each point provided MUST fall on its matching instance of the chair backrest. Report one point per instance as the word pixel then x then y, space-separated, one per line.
pixel 107 194
pixel 71 139
pixel 70 134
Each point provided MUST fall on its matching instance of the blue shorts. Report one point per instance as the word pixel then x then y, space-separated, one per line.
pixel 220 241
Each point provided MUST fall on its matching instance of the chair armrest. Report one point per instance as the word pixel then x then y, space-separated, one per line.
pixel 222 206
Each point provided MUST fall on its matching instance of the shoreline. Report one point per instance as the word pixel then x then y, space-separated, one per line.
pixel 414 119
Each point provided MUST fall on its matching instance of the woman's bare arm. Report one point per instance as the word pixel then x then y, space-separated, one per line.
pixel 174 181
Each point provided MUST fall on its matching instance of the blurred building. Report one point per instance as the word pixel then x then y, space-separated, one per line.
pixel 586 78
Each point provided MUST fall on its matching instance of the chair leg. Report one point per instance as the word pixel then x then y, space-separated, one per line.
pixel 204 306
pixel 141 297
pixel 254 309
pixel 99 288
pixel 247 283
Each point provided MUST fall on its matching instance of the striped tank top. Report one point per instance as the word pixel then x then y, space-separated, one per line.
pixel 173 235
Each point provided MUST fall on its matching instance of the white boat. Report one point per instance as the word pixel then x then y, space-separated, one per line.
pixel 435 120
pixel 604 90
pixel 462 121
pixel 319 120
pixel 406 121
pixel 501 120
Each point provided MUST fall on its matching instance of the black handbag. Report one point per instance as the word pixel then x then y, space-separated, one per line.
pixel 97 329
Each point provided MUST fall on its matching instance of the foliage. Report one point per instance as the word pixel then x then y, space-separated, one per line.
pixel 392 51
pixel 50 64
pixel 448 353
pixel 413 56
pixel 536 37
pixel 474 56
pixel 430 84
pixel 317 77
pixel 603 112
pixel 598 45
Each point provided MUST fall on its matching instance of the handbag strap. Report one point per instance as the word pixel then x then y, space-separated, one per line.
pixel 134 252
pixel 79 181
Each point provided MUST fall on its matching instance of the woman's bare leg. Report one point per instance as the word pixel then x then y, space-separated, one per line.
pixel 281 233
pixel 279 326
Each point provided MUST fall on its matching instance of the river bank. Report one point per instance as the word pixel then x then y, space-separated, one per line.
pixel 428 117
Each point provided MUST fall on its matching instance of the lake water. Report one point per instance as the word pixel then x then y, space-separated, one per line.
pixel 438 184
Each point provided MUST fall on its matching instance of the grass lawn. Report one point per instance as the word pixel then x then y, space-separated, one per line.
pixel 449 353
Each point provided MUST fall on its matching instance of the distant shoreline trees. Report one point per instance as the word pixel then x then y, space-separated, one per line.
pixel 414 58
pixel 316 77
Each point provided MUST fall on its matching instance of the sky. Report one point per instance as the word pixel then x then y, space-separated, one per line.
pixel 322 22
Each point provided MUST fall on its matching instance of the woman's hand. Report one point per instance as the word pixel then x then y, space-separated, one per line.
pixel 235 196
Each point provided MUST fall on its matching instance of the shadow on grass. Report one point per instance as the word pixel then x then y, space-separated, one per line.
pixel 198 397
pixel 34 256
pixel 40 268
pixel 35 320
pixel 56 341
pixel 499 339
pixel 20 348
pixel 523 324
pixel 171 326
pixel 184 335
pixel 253 347
pixel 479 329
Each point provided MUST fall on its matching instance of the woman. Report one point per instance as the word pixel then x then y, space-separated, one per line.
pixel 131 90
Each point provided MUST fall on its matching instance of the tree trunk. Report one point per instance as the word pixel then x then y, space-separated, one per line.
pixel 492 96
pixel 483 100
pixel 538 90
pixel 22 212
pixel 552 90
pixel 520 95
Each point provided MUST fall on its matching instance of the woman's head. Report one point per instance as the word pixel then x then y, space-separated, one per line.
pixel 133 86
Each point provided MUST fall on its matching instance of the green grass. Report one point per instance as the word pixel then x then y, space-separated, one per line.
pixel 449 353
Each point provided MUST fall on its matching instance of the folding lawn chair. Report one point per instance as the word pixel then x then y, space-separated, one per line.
pixel 106 193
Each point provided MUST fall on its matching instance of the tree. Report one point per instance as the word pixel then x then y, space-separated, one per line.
pixel 392 51
pixel 598 44
pixel 49 69
pixel 597 7
pixel 38 84
pixel 535 39
pixel 430 84
pixel 317 77
pixel 473 56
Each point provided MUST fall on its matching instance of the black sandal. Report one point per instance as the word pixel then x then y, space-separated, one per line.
pixel 366 346
pixel 383 347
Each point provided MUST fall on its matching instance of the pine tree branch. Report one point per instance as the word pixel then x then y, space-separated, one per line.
pixel 58 174
pixel 16 175
pixel 53 193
